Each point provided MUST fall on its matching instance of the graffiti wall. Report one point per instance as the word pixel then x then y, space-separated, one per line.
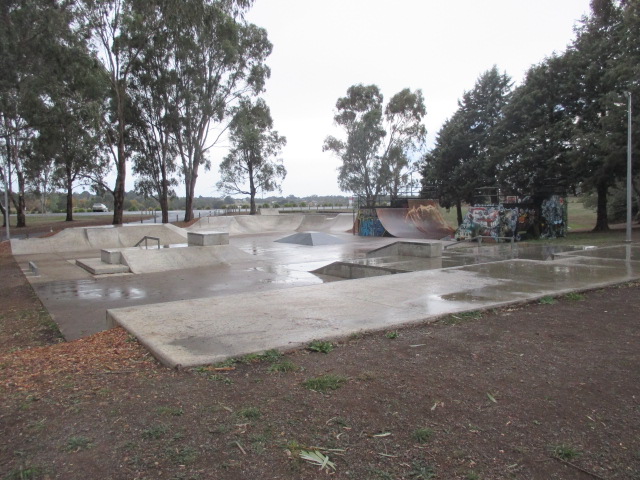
pixel 491 221
pixel 368 224
pixel 554 217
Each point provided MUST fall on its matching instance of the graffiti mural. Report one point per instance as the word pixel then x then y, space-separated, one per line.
pixel 368 224
pixel 492 221
pixel 554 214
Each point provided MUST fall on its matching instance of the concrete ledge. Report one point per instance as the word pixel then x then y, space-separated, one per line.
pixel 207 238
pixel 96 266
pixel 111 256
pixel 409 249
pixel 353 270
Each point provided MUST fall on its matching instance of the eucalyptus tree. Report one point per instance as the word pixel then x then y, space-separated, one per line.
pixel 34 36
pixel 153 94
pixel 70 136
pixel 218 62
pixel 251 165
pixel 118 34
pixel 378 140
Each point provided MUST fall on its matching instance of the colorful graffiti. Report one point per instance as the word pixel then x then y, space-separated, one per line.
pixel 497 222
pixel 554 213
pixel 368 224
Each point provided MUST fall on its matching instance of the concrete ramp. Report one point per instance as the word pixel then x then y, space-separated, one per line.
pixel 419 221
pixel 68 240
pixel 252 224
pixel 165 259
pixel 249 224
pixel 168 234
pixel 96 238
pixel 342 223
pixel 311 239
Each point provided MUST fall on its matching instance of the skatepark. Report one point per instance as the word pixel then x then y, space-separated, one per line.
pixel 233 285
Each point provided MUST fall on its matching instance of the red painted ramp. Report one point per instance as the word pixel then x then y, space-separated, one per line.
pixel 420 220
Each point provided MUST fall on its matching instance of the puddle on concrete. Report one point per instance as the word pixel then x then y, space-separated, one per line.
pixel 90 290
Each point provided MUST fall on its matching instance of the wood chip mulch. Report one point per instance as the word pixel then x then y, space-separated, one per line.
pixel 110 352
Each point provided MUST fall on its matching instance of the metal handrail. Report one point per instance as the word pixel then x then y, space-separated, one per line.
pixel 145 238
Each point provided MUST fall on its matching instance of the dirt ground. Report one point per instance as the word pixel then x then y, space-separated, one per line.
pixel 548 390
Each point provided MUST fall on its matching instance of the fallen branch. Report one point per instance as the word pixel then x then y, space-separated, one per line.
pixel 594 475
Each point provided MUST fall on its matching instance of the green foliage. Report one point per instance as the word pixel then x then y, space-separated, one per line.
pixel 547 300
pixel 565 452
pixel 249 167
pixel 574 296
pixel 392 335
pixel 284 366
pixel 422 435
pixel 421 471
pixel 379 140
pixel 461 160
pixel 24 473
pixel 155 431
pixel 320 346
pixel 171 411
pixel 77 443
pixel 249 413
pixel 324 383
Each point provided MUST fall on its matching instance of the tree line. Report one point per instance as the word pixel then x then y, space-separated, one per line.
pixel 88 87
pixel 564 126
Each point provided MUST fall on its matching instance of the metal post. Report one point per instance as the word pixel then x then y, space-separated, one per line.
pixel 629 205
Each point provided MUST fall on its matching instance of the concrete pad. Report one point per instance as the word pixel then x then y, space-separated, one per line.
pixel 203 331
pixel 96 266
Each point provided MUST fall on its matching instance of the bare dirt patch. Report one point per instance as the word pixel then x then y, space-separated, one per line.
pixel 542 391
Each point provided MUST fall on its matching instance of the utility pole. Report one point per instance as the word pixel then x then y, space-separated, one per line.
pixel 629 204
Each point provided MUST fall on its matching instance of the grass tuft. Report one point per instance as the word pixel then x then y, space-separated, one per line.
pixel 422 435
pixel 324 383
pixel 320 346
pixel 565 452
pixel 250 413
pixel 284 366
pixel 574 296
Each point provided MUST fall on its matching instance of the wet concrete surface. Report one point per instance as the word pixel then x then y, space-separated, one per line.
pixel 78 301
pixel 272 300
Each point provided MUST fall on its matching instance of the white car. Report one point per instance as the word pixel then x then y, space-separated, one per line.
pixel 100 207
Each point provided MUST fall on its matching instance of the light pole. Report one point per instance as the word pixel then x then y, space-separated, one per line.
pixel 628 235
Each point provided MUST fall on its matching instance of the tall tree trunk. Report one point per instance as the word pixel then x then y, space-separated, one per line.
pixel 164 198
pixel 188 209
pixel 459 211
pixel 164 206
pixel 69 200
pixel 21 206
pixel 121 167
pixel 252 191
pixel 602 221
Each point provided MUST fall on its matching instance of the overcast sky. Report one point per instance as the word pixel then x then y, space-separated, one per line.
pixel 320 48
